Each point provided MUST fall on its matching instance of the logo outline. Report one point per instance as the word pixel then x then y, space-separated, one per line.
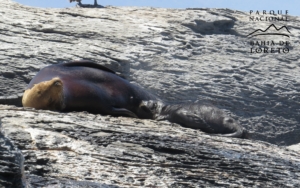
pixel 272 25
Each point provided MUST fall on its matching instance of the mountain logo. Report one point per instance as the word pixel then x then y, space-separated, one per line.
pixel 283 31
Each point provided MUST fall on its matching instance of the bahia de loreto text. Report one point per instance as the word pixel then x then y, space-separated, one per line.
pixel 272 38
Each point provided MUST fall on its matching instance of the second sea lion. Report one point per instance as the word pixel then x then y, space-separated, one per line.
pixel 207 118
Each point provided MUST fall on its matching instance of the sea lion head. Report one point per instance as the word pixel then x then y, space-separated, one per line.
pixel 47 95
pixel 154 107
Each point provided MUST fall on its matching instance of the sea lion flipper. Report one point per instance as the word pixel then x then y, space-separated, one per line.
pixel 240 133
pixel 87 63
pixel 123 111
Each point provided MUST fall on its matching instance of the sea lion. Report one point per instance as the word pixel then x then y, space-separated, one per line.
pixel 85 86
pixel 207 118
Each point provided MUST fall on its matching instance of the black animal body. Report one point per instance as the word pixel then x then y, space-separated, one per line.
pixel 85 86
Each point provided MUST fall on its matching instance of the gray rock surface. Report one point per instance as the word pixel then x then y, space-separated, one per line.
pixel 177 54
pixel 85 150
pixel 11 164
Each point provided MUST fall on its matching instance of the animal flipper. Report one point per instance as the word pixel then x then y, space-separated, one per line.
pixel 241 133
pixel 123 112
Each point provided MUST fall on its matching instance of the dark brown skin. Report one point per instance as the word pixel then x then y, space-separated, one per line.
pixel 85 86
pixel 207 118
